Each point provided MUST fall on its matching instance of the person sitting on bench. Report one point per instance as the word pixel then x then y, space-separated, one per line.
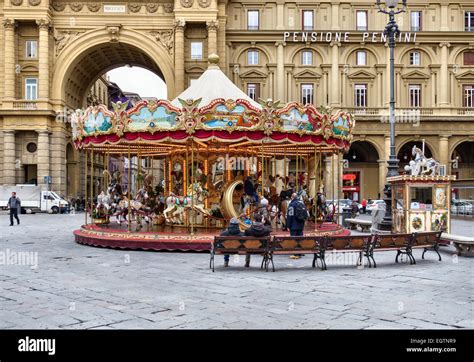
pixel 257 229
pixel 232 229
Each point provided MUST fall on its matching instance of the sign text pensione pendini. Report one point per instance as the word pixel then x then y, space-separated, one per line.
pixel 327 37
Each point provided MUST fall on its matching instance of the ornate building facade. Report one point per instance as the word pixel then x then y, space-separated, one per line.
pixel 325 52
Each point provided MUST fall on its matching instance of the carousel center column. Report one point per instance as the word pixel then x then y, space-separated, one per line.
pixel 179 55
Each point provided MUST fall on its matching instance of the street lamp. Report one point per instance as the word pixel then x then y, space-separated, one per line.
pixel 391 31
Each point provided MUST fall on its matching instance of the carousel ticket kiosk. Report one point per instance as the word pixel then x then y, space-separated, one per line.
pixel 421 203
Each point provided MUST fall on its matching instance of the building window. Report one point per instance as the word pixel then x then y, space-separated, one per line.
pixel 196 50
pixel 31 49
pixel 415 58
pixel 361 20
pixel 307 91
pixel 415 21
pixel 253 19
pixel 469 21
pixel 414 91
pixel 252 57
pixel 468 58
pixel 361 57
pixel 360 99
pixel 31 147
pixel 469 96
pixel 308 20
pixel 306 57
pixel 253 91
pixel 31 89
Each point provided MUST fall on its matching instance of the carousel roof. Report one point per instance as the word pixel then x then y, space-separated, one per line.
pixel 212 111
pixel 213 84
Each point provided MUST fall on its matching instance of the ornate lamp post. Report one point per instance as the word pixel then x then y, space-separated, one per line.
pixel 391 31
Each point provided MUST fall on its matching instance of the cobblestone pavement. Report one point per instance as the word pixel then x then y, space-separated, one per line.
pixel 75 286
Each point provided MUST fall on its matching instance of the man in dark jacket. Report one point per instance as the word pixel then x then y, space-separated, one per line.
pixel 232 229
pixel 295 224
pixel 14 204
pixel 257 229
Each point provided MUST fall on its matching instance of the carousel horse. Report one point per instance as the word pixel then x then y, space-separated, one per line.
pixel 173 213
pixel 197 196
pixel 422 165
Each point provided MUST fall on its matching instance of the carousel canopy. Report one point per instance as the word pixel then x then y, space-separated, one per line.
pixel 213 84
pixel 216 114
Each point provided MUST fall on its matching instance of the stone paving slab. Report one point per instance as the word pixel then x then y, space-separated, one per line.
pixel 81 287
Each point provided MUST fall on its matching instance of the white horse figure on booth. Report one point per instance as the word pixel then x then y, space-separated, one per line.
pixel 422 165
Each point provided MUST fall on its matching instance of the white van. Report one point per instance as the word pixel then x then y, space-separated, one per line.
pixel 33 198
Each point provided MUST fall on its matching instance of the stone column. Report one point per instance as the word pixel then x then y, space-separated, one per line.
pixel 43 59
pixel 335 93
pixel 328 178
pixel 58 161
pixel 222 47
pixel 43 158
pixel 179 55
pixel 212 37
pixel 444 18
pixel 280 16
pixel 443 76
pixel 335 15
pixel 9 61
pixel 280 72
pixel 444 156
pixel 9 157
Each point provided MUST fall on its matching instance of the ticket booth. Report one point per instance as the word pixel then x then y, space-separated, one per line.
pixel 421 203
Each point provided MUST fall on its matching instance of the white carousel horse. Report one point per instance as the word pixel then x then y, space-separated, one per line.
pixel 422 165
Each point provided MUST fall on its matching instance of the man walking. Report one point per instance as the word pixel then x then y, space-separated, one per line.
pixel 14 204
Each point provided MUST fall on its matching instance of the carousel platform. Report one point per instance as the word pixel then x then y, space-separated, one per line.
pixel 171 238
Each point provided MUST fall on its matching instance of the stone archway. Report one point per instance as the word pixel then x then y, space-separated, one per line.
pixel 463 168
pixel 127 46
pixel 361 180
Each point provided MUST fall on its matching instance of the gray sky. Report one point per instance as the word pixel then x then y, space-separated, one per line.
pixel 139 80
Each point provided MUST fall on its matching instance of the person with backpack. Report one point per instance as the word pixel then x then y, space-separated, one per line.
pixel 296 217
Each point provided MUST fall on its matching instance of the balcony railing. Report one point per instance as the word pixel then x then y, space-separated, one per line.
pixel 465 110
pixel 25 105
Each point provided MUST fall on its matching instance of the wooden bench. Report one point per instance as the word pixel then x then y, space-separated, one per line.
pixel 393 242
pixel 294 245
pixel 361 244
pixel 463 244
pixel 405 243
pixel 242 245
pixel 365 225
pixel 428 241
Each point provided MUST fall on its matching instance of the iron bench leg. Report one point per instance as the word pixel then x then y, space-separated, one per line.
pixel 211 262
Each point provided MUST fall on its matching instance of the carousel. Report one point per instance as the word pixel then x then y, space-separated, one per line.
pixel 176 172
